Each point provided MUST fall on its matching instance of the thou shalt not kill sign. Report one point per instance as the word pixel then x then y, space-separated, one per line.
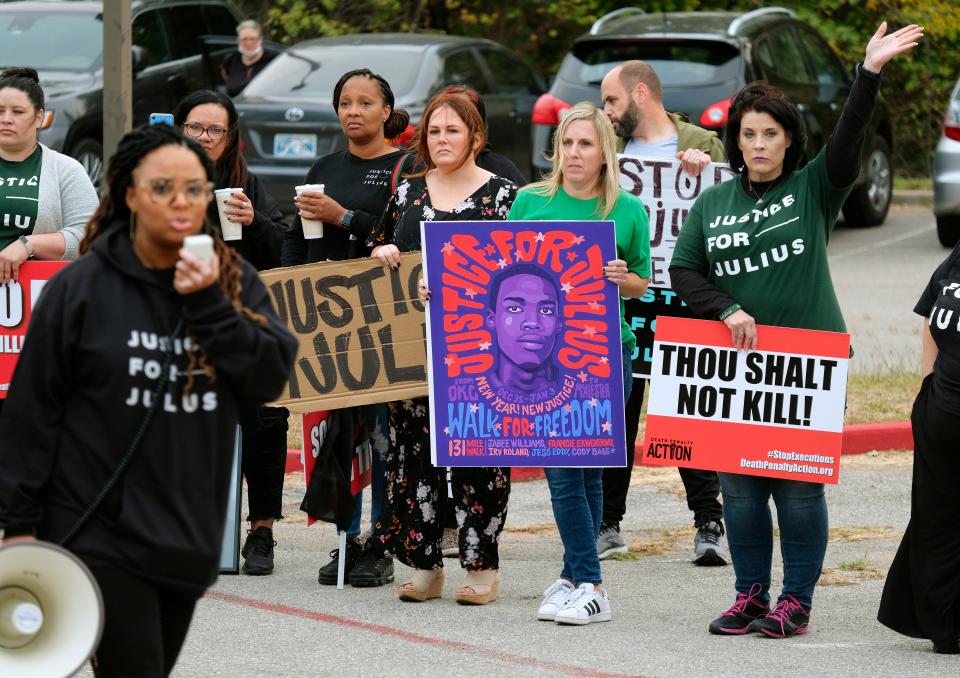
pixel 361 332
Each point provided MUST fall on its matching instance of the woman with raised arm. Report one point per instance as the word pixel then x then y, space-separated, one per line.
pixel 776 274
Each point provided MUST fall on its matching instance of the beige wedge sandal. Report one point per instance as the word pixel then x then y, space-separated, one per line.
pixel 423 585
pixel 479 588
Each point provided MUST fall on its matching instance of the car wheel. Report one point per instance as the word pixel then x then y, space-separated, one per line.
pixel 89 153
pixel 948 230
pixel 868 204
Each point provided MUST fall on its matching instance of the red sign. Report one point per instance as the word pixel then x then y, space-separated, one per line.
pixel 16 301
pixel 776 411
pixel 314 433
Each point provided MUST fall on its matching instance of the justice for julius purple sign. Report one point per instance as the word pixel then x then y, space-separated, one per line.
pixel 524 351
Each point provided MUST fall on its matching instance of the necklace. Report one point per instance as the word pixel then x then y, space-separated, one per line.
pixel 754 193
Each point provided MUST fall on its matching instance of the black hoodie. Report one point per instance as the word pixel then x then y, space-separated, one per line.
pixel 92 350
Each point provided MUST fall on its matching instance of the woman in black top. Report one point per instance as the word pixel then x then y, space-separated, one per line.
pixel 922 592
pixel 211 119
pixel 357 185
pixel 357 181
pixel 450 187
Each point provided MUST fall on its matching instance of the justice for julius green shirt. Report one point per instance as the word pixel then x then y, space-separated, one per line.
pixel 769 255
pixel 630 221
pixel 19 190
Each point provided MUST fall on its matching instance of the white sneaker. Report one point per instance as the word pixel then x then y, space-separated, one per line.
pixel 554 599
pixel 584 606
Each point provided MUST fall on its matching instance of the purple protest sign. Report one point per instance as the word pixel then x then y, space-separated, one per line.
pixel 523 344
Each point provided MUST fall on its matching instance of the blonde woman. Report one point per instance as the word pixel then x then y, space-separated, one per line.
pixel 584 185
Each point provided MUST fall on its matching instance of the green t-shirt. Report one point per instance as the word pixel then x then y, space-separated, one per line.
pixel 19 191
pixel 770 255
pixel 628 215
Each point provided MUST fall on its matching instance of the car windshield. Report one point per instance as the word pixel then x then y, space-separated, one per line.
pixel 313 72
pixel 679 63
pixel 51 41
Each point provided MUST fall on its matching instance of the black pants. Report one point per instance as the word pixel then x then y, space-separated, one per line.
pixel 703 487
pixel 264 460
pixel 144 626
pixel 921 597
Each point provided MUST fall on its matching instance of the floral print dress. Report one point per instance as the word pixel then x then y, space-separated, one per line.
pixel 411 522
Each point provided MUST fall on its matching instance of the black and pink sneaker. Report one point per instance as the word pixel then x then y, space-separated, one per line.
pixel 787 619
pixel 736 621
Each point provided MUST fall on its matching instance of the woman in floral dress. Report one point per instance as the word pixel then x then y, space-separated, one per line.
pixel 448 186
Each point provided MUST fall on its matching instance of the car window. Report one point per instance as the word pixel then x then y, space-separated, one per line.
pixel 461 68
pixel 219 20
pixel 148 33
pixel 825 63
pixel 312 72
pixel 763 56
pixel 510 74
pixel 51 41
pixel 678 62
pixel 790 62
pixel 188 25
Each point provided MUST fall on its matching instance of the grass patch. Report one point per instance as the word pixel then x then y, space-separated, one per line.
pixel 912 183
pixel 875 459
pixel 860 533
pixel 659 542
pixel 875 398
pixel 859 565
pixel 832 577
pixel 532 528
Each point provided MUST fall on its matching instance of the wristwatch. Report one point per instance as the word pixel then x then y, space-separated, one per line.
pixel 347 218
pixel 27 246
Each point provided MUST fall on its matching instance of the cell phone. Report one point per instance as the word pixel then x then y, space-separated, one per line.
pixel 161 119
pixel 200 246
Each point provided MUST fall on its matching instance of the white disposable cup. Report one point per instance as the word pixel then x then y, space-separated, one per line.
pixel 312 229
pixel 232 230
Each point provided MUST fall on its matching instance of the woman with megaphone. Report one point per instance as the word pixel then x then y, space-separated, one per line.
pixel 119 430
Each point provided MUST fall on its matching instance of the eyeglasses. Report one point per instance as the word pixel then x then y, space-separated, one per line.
pixel 195 130
pixel 164 191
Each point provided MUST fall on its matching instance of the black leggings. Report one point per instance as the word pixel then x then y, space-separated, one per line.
pixel 263 460
pixel 144 626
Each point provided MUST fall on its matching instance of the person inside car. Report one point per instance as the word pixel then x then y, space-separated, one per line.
pixel 251 57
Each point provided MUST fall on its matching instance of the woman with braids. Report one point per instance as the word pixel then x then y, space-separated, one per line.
pixel 88 375
pixel 211 119
pixel 357 185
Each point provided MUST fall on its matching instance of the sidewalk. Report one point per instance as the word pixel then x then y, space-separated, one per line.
pixel 288 625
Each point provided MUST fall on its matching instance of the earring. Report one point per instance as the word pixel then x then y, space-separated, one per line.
pixel 133 225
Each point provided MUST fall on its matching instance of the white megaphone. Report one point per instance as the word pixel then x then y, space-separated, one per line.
pixel 51 611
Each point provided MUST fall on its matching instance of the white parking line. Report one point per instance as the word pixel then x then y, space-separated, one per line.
pixel 880 243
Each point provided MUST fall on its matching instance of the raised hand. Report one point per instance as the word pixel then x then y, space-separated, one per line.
pixel 882 47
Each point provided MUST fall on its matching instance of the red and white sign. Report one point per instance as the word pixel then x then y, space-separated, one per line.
pixel 314 433
pixel 17 299
pixel 776 411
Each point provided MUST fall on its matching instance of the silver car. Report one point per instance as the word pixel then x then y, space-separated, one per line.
pixel 946 175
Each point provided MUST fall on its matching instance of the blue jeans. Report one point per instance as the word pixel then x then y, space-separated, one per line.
pixel 576 495
pixel 378 434
pixel 802 516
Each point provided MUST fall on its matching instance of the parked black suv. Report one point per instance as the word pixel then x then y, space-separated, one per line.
pixel 289 119
pixel 703 58
pixel 64 42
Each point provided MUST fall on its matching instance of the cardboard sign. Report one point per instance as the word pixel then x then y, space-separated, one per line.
pixel 314 432
pixel 668 193
pixel 17 299
pixel 361 332
pixel 776 412
pixel 524 344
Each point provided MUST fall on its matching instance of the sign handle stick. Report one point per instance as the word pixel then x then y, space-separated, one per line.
pixel 342 561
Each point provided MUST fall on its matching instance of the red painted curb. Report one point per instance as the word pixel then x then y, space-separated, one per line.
pixel 857 439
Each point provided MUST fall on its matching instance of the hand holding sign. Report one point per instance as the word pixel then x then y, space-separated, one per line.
pixel 743 330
